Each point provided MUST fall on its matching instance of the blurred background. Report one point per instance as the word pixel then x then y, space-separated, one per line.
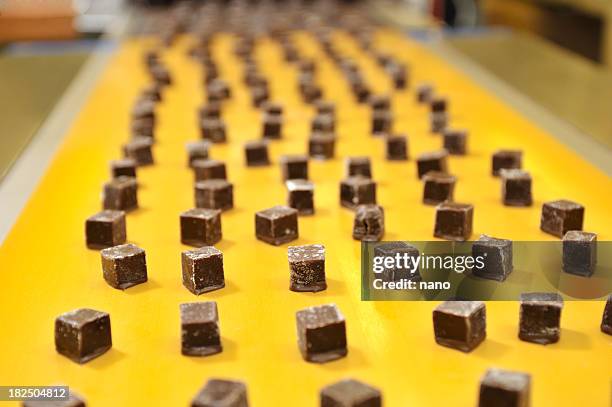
pixel 557 53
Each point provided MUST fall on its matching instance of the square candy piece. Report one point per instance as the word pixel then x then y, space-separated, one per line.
pixel 438 122
pixel 321 333
pixel 83 334
pixel 455 142
pixel 125 167
pixel 540 317
pixel 369 224
pixel 516 187
pixel 272 126
pixel 209 169
pixel 606 320
pixel 301 196
pixel 277 225
pixel 357 190
pixel 359 166
pixel 432 161
pixel 120 194
pixel 256 153
pixel 294 167
pixel 350 393
pixel 105 229
pixel 454 221
pixel 140 150
pixel 559 217
pixel 214 194
pixel 497 257
pixel 382 122
pixel 506 159
pixel 124 266
pixel 438 187
pixel 396 148
pixel 324 123
pixel 221 393
pixel 424 93
pixel 579 253
pixel 460 324
pixel 200 329
pixel 504 388
pixel 201 227
pixel 404 251
pixel 307 268
pixel 197 150
pixel 203 270
pixel 213 130
pixel 321 146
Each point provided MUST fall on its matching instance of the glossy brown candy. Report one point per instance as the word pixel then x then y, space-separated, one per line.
pixel 203 270
pixel 140 150
pixel 540 317
pixel 455 142
pixel 125 167
pixel 259 95
pixel 506 159
pixel 307 268
pixel 221 393
pixel 396 147
pixel 350 393
pixel 213 130
pixel 301 196
pixel 120 194
pixel 124 266
pixel 201 227
pixel 294 167
pixel 380 103
pixel 214 194
pixel 359 166
pixel 197 150
pixel 144 127
pixel 438 187
pixel 256 153
pixel 438 104
pixel 559 217
pixel 504 388
pixel 454 221
pixel 105 229
pixel 206 169
pixel 579 253
pixel 460 324
pixel 272 126
pixel 496 255
pixel 369 224
pixel 321 333
pixel 424 93
pixel 321 146
pixel 356 191
pixel 277 225
pixel 516 187
pixel 200 334
pixel 432 161
pixel 606 320
pixel 83 334
pixel 382 121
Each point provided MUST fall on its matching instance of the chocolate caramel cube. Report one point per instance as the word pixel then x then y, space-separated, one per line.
pixel 356 191
pixel 396 147
pixel 214 194
pixel 294 167
pixel 124 266
pixel 140 150
pixel 321 146
pixel 213 130
pixel 460 324
pixel 120 194
pixel 369 224
pixel 606 320
pixel 359 165
pixel 516 187
pixel 201 227
pixel 506 159
pixel 277 225
pixel 256 153
pixel 540 317
pixel 203 270
pixel 272 126
pixel 438 187
pixel 221 393
pixel 579 253
pixel 350 393
pixel 83 334
pixel 432 161
pixel 197 150
pixel 301 196
pixel 559 217
pixel 454 221
pixel 496 256
pixel 307 268
pixel 455 141
pixel 321 333
pixel 105 229
pixel 200 334
pixel 504 388
pixel 209 169
pixel 125 167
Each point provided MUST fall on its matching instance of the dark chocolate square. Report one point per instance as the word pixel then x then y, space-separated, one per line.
pixel 321 146
pixel 516 187
pixel 396 148
pixel 203 270
pixel 294 167
pixel 221 393
pixel 455 142
pixel 105 229
pixel 438 104
pixel 120 194
pixel 369 224
pixel 432 161
pixel 424 93
pixel 201 227
pixel 324 123
pixel 559 217
pixel 454 221
pixel 321 333
pixel 213 130
pixel 125 167
pixel 359 166
pixel 350 393
pixel 325 107
pixel 606 320
pixel 124 266
pixel 83 334
pixel 506 159
pixel 277 225
pixel 272 126
pixel 356 191
pixel 496 256
pixel 505 388
pixel 214 194
pixel 200 334
pixel 438 187
pixel 438 122
pixel 256 153
pixel 197 150
pixel 381 103
pixel 307 268
pixel 140 150
pixel 211 110
pixel 301 196
pixel 209 169
pixel 540 317
pixel 579 253
pixel 460 324
pixel 382 122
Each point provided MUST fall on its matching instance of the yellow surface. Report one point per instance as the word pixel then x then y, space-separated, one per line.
pixel 46 269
